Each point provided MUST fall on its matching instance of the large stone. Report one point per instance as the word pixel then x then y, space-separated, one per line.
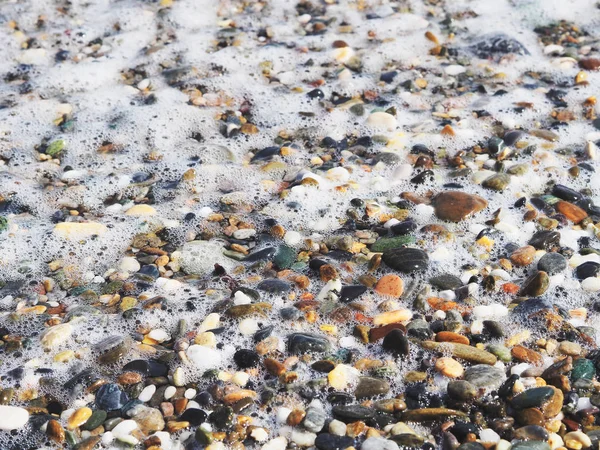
pixel 455 206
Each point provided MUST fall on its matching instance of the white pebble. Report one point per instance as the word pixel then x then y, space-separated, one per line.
pixel 147 393
pixel 382 119
pixel 244 233
pixel 519 368
pixel 129 264
pixel 239 298
pixel 248 326
pixel 122 432
pixel 292 238
pixel 282 414
pixel 303 438
pixel 170 392
pixel 211 322
pixel 591 284
pixel 204 358
pixel 159 335
pixel 190 393
pixel 337 427
pixel 454 69
pixel 12 417
pixel 489 436
pixel 279 443
pixel 259 434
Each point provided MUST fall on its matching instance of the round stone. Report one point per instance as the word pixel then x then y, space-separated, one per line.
pixel 406 260
pixel 552 263
pixel 455 206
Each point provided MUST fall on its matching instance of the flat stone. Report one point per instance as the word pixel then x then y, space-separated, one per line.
pixel 326 441
pixel 531 433
pixel 532 398
pixel 352 413
pixel 274 286
pixel 384 244
pixel 391 285
pixel 378 443
pixel 523 256
pixel 446 282
pixel 586 270
pixel 351 292
pixel 461 390
pixel 535 285
pixel 13 417
pixel 552 263
pixel 572 212
pixel 485 376
pixel 79 230
pixel 462 351
pixel 406 260
pixel 455 206
pixel 545 239
pixel 497 182
pixel 307 342
pixel 370 387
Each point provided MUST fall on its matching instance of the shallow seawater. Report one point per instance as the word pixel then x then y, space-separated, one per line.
pixel 184 179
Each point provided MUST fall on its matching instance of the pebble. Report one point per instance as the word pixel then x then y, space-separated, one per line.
pixel 406 260
pixel 485 376
pixel 326 441
pixel 391 285
pixel 497 182
pixel 455 206
pixel 378 443
pixel 307 342
pixel 395 316
pixel 523 256
pixel 79 230
pixel 13 417
pixel 382 120
pixel 449 367
pixel 395 342
pixel 371 387
pixel 552 263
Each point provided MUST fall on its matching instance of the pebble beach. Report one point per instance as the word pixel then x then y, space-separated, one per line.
pixel 300 225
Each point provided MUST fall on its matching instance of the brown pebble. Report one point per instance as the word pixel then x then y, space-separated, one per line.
pixel 128 378
pixel 572 212
pixel 180 405
pixel 328 272
pixel 167 409
pixel 175 426
pixel 523 256
pixel 589 63
pixel 355 429
pixel 450 336
pixel 274 367
pixel 295 417
pixel 525 354
pixel 88 444
pixel 455 206
pixel 530 416
pixel 55 431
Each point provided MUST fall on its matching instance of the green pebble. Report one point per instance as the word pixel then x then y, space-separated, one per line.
pixel 96 419
pixel 583 368
pixel 500 351
pixel 384 244
pixel 55 148
pixel 3 223
pixel 285 257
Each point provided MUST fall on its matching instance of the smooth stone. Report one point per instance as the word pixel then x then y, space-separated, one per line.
pixel 148 419
pixel 535 285
pixel 110 397
pixel 13 417
pixel 194 416
pixel 586 270
pixel 501 351
pixel 461 351
pixel 221 417
pixel 264 254
pixel 461 390
pixel 307 342
pixel 552 263
pixel 531 306
pixel 531 433
pixel 245 358
pixel 194 260
pixel 383 244
pixel 56 335
pixel 371 387
pixel 497 44
pixel 351 292
pixel 512 137
pixel 455 206
pixel 352 413
pixel 396 342
pixel 497 182
pixel 274 286
pixel 96 419
pixel 314 420
pixel 285 257
pixel 566 193
pixel 583 369
pixel 378 443
pixel 406 259
pixel 545 239
pixel 326 441
pixel 485 376
pixel 532 398
pixel 79 230
pixel 405 227
pixel 446 282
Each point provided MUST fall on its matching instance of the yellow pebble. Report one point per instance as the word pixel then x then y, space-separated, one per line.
pixel 78 418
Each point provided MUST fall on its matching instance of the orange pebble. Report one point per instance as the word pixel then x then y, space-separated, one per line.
pixel 391 285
